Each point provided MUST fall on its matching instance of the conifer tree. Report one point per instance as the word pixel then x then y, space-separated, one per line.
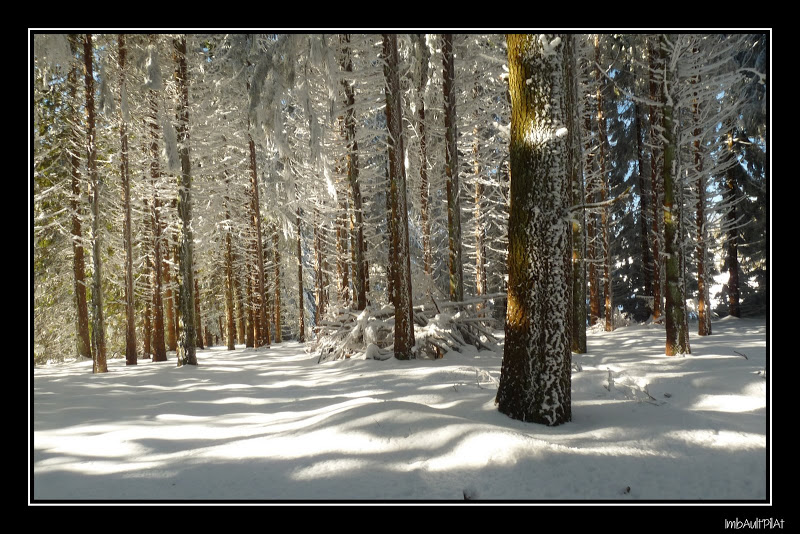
pixel 535 379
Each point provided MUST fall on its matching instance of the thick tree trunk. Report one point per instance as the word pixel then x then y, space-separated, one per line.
pixel 677 337
pixel 403 322
pixel 98 322
pixel 130 311
pixel 84 346
pixel 186 344
pixel 535 379
pixel 451 170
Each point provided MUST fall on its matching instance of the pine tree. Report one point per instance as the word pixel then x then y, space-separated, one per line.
pixel 535 379
pixel 188 336
pixel 400 260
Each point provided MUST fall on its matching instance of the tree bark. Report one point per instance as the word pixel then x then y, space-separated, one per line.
pixel 575 177
pixel 98 322
pixel 423 56
pixel 451 170
pixel 677 337
pixel 130 311
pixel 604 185
pixel 655 63
pixel 84 346
pixel 403 323
pixel 188 335
pixel 535 378
pixel 359 262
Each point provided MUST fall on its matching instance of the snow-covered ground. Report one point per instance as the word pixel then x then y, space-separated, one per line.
pixel 273 425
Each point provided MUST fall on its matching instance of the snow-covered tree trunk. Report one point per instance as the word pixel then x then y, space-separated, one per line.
pixel 535 380
pixel 130 311
pixel 657 186
pixel 98 322
pixel 159 351
pixel 423 56
pixel 187 330
pixel 359 261
pixel 675 304
pixel 451 170
pixel 229 276
pixel 78 260
pixel 400 259
pixel 575 177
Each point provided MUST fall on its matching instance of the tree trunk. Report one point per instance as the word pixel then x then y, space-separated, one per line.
pixel 677 338
pixel 451 170
pixel 229 277
pixel 78 261
pixel 198 320
pixel 319 274
pixel 186 344
pixel 275 242
pixel 575 178
pixel 423 56
pixel 703 313
pixel 644 207
pixel 655 63
pixel 403 322
pixel 604 185
pixel 98 323
pixel 130 311
pixel 300 299
pixel 359 262
pixel 260 290
pixel 732 245
pixel 156 274
pixel 535 379
pixel 170 324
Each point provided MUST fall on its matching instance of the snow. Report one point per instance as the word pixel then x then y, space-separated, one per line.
pixel 273 425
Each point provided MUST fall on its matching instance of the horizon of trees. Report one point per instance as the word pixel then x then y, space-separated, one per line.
pixel 210 189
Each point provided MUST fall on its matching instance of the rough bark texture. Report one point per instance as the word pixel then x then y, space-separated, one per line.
pixel 130 311
pixel 656 190
pixel 608 311
pixel 451 171
pixel 677 337
pixel 423 56
pixel 703 312
pixel 187 330
pixel 575 177
pixel 78 260
pixel 157 266
pixel 359 261
pixel 403 323
pixel 98 322
pixel 535 379
pixel 261 326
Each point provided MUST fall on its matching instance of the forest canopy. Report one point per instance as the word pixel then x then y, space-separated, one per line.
pixel 217 189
